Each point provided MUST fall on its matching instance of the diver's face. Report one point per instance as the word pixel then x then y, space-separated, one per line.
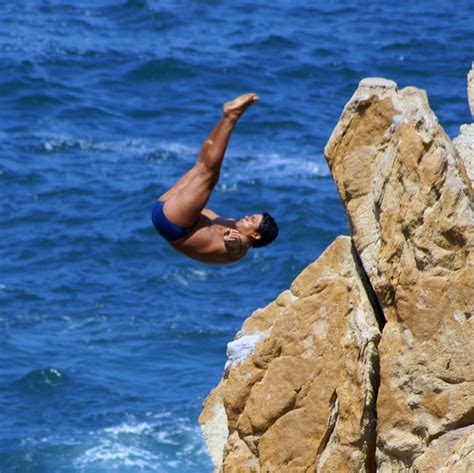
pixel 250 224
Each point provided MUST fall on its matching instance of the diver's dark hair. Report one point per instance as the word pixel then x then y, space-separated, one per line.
pixel 268 230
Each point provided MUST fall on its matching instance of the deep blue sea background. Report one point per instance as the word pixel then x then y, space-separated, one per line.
pixel 110 341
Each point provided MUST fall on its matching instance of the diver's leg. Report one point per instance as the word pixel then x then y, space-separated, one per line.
pixel 189 176
pixel 184 207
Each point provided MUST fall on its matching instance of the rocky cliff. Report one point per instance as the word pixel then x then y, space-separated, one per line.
pixel 367 362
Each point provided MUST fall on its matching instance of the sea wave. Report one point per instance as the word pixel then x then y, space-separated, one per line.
pixel 44 380
pixel 148 445
pixel 184 276
pixel 161 70
pixel 239 167
pixel 137 146
pixel 278 168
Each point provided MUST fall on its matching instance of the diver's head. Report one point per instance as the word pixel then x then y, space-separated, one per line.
pixel 259 229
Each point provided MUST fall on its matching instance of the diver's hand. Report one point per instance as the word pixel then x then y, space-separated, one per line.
pixel 232 240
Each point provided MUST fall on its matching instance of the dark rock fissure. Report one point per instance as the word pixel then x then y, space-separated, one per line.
pixel 374 302
pixel 331 424
pixel 381 321
pixel 371 463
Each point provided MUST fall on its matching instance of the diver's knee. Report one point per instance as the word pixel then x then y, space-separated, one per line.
pixel 205 148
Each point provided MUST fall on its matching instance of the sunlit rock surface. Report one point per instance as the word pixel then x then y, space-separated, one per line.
pixel 310 385
pixel 409 202
pixel 453 452
pixel 303 398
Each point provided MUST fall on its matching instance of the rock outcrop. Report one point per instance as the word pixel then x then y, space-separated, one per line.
pixel 409 201
pixel 310 385
pixel 309 376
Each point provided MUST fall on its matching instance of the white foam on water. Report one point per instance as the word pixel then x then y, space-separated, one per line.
pixel 291 165
pixel 125 428
pixel 116 455
pixel 227 187
pixel 165 438
pixel 184 276
pixel 179 148
pixel 134 145
pixel 163 443
pixel 62 142
pixel 199 274
pixel 275 166
pixel 262 163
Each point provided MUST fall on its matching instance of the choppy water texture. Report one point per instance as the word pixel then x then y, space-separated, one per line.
pixel 110 340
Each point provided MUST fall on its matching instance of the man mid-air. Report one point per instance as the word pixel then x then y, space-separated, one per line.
pixel 180 215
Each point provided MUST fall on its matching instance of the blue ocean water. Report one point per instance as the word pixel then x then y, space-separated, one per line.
pixel 110 341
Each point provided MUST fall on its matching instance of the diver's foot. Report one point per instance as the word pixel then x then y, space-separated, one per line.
pixel 238 106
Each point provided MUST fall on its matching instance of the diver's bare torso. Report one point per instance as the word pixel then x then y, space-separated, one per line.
pixel 206 242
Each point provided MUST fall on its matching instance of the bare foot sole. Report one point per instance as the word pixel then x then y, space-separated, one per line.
pixel 240 104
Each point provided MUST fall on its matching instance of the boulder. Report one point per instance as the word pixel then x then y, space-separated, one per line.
pixel 409 201
pixel 298 393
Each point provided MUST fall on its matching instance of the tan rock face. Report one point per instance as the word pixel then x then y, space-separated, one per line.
pixel 451 453
pixel 302 376
pixel 464 144
pixel 298 391
pixel 409 201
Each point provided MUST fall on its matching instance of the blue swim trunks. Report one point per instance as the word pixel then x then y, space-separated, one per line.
pixel 168 230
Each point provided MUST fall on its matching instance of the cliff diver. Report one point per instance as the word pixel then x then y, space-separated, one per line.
pixel 180 216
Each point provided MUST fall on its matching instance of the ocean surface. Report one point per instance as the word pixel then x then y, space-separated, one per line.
pixel 110 340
